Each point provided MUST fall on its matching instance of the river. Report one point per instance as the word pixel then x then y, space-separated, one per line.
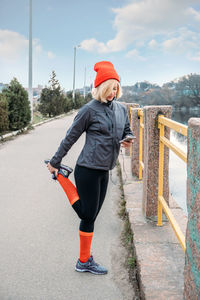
pixel 177 167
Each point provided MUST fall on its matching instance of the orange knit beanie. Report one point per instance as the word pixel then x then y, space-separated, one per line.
pixel 105 70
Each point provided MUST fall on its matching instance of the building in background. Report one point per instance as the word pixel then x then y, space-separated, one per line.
pixel 2 86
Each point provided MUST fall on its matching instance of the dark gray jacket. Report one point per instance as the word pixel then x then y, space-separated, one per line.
pixel 105 125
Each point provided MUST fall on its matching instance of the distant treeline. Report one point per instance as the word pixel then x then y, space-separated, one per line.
pixel 184 92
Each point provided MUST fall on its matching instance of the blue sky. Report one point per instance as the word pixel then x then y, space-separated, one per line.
pixel 151 40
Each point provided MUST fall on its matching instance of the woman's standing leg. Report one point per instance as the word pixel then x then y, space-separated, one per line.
pixel 88 182
pixel 103 190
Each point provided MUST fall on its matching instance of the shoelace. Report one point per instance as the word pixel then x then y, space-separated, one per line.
pixel 93 262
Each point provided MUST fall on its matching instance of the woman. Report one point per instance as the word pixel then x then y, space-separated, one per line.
pixel 105 122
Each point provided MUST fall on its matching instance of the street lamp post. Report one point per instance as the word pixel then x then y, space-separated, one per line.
pixel 73 94
pixel 84 83
pixel 30 90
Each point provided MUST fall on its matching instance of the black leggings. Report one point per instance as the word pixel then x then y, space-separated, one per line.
pixel 91 185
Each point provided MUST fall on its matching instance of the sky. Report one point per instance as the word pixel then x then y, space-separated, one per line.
pixel 153 40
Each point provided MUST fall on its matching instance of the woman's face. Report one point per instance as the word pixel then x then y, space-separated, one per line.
pixel 113 92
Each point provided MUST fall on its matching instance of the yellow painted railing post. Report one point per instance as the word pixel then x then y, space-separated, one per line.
pixel 160 173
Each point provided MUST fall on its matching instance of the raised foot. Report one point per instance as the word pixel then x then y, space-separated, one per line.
pixel 63 169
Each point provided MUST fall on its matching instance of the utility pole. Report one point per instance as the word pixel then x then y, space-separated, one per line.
pixel 30 90
pixel 73 94
pixel 84 83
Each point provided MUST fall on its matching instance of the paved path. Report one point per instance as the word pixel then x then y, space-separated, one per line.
pixel 39 242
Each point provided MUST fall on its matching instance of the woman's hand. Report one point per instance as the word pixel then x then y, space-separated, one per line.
pixel 52 169
pixel 127 144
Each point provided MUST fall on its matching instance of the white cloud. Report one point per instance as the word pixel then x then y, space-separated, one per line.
pixel 38 49
pixel 37 46
pixel 196 57
pixel 12 44
pixel 143 20
pixel 194 13
pixel 135 54
pixel 153 44
pixel 185 41
pixel 50 55
pixel 93 45
pixel 174 45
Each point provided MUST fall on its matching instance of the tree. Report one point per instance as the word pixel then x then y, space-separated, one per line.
pixel 78 101
pixel 45 102
pixel 88 97
pixel 4 118
pixel 18 105
pixel 52 99
pixel 54 83
pixel 189 87
pixel 68 104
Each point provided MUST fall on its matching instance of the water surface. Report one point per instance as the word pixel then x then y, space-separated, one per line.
pixel 177 167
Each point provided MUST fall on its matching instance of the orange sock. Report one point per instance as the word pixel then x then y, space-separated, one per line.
pixel 85 245
pixel 69 188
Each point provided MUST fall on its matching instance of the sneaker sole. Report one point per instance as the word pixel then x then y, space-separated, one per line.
pixel 93 272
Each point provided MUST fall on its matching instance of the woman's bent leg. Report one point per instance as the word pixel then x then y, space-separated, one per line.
pixel 71 192
pixel 69 188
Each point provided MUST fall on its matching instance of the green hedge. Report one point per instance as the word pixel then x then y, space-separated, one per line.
pixel 19 112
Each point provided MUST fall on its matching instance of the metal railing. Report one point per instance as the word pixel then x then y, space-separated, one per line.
pixel 162 204
pixel 163 141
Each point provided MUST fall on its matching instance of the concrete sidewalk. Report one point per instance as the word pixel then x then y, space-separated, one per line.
pixel 160 258
pixel 39 241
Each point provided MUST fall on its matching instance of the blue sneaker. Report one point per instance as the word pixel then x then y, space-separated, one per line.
pixel 90 266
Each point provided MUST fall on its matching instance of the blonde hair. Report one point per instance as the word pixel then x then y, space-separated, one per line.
pixel 102 91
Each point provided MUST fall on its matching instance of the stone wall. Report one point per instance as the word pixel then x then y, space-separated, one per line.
pixel 136 142
pixel 151 159
pixel 192 258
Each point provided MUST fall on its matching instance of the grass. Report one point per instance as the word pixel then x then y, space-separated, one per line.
pixel 38 117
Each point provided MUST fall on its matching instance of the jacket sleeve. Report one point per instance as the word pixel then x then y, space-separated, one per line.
pixel 79 125
pixel 127 129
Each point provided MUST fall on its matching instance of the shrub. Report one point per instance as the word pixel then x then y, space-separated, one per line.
pixel 18 105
